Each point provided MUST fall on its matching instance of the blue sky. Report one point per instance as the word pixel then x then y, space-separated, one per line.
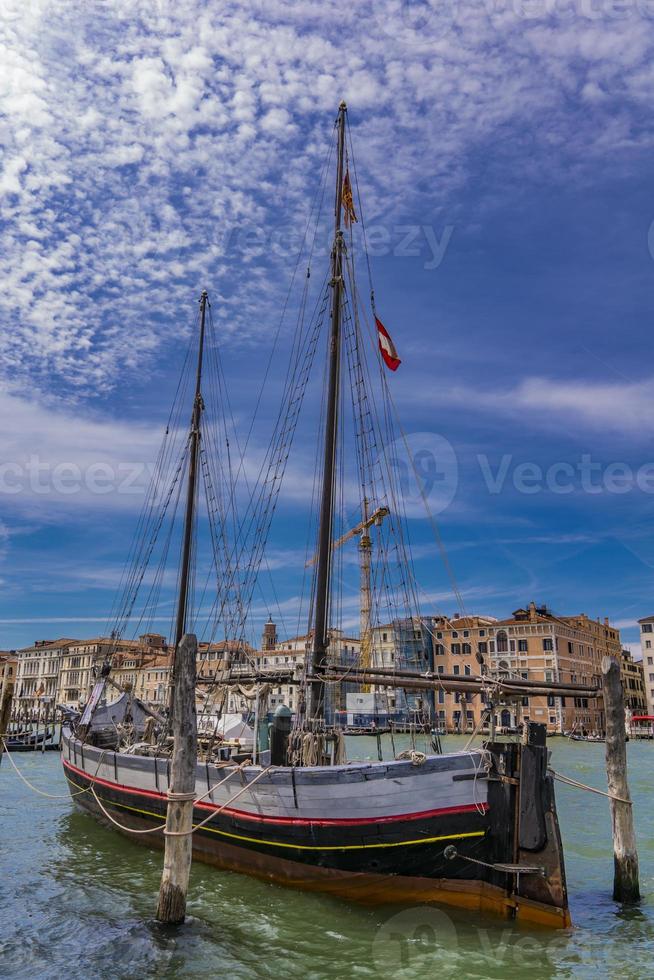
pixel 504 154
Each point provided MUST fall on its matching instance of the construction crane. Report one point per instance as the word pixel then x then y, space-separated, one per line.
pixel 365 557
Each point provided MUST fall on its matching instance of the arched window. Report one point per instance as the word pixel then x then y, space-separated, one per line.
pixel 502 642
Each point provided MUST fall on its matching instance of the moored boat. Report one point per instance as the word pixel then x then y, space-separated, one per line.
pixel 476 829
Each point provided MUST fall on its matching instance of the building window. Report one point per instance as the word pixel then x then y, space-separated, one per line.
pixel 457 670
pixel 547 643
pixel 482 632
pixel 467 649
pixel 522 646
pixel 456 648
pixel 466 633
pixel 646 627
pixel 467 670
pixel 502 642
pixel 570 647
pixel 648 644
pixel 483 647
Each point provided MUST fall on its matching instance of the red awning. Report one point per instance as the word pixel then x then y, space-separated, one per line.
pixel 643 718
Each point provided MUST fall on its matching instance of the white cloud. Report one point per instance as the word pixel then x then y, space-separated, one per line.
pixel 620 407
pixel 129 143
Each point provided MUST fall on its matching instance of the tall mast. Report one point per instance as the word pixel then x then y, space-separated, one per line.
pixel 320 636
pixel 365 556
pixel 189 517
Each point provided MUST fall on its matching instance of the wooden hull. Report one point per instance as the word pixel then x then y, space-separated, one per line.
pixel 372 833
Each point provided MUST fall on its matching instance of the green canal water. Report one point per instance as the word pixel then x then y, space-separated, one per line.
pixel 76 900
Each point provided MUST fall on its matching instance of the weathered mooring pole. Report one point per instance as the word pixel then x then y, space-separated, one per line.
pixel 5 710
pixel 626 887
pixel 181 793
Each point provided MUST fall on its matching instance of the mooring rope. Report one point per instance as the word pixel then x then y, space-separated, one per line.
pixel 184 833
pixel 41 792
pixel 478 727
pixel 591 789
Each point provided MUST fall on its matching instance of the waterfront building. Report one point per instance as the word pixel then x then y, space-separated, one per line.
pixel 459 642
pixel 405 644
pixel 8 668
pixel 82 658
pixel 633 685
pixel 290 654
pixel 38 670
pixel 647 647
pixel 532 644
pixel 152 679
pixel 537 645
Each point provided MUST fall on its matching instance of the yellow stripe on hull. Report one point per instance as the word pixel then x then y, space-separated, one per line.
pixel 298 847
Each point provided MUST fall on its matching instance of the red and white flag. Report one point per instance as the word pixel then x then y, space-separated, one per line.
pixel 387 347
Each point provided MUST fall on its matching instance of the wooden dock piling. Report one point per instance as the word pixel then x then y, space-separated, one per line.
pixel 5 710
pixel 179 817
pixel 626 887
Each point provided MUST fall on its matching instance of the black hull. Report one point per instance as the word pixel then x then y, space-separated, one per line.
pixel 382 861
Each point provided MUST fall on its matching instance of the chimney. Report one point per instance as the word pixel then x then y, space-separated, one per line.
pixel 532 610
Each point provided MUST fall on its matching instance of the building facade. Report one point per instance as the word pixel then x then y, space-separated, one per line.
pixel 538 646
pixel 633 685
pixel 647 647
pixel 82 658
pixel 458 644
pixel 37 675
pixel 8 668
pixel 532 644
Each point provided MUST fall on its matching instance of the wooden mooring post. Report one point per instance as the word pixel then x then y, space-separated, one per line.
pixel 179 818
pixel 5 711
pixel 626 887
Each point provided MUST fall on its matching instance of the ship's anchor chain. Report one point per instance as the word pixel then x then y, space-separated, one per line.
pixel 451 853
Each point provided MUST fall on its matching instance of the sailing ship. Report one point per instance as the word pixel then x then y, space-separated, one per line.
pixel 476 829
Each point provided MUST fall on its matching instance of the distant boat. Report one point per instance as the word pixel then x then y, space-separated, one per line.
pixel 27 742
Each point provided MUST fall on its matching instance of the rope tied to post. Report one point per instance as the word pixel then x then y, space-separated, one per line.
pixel 568 781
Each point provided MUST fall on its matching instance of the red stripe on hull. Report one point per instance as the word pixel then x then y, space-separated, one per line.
pixel 298 821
